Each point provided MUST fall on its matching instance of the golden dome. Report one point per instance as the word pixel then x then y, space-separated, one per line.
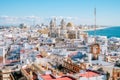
pixel 70 24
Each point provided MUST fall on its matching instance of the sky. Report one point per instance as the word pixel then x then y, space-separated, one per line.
pixel 76 11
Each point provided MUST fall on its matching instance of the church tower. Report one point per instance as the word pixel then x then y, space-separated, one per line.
pixel 63 24
pixel 52 24
pixel 53 29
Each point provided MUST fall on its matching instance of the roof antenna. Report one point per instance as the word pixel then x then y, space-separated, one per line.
pixel 95 23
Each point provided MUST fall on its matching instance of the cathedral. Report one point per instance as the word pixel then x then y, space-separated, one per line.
pixel 65 31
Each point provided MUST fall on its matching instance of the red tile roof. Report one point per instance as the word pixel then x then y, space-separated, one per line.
pixel 64 78
pixel 49 77
pixel 89 74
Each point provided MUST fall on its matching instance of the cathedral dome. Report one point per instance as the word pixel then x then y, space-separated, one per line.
pixel 70 24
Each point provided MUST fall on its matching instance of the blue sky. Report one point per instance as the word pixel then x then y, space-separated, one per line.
pixel 77 11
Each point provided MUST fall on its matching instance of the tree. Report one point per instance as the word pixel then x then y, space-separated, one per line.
pixel 107 76
pixel 100 69
pixel 117 63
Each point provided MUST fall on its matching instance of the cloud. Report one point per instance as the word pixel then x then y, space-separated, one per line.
pixel 62 17
pixel 8 18
pixel 56 17
pixel 33 19
pixel 18 20
pixel 71 18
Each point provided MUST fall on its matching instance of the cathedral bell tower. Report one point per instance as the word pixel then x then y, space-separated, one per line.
pixel 52 24
pixel 52 27
pixel 63 24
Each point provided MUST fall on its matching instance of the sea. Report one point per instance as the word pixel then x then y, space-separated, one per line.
pixel 113 31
